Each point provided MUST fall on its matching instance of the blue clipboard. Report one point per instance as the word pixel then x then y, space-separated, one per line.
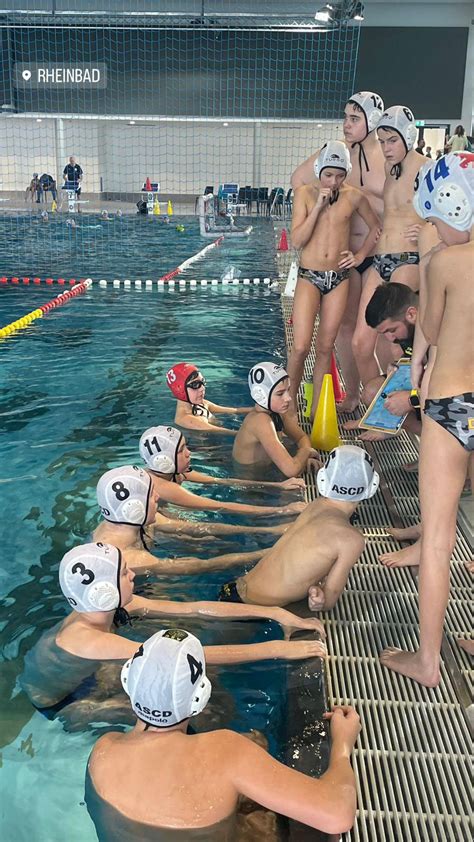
pixel 377 417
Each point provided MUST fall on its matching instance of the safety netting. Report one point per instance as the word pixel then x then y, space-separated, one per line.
pixel 157 103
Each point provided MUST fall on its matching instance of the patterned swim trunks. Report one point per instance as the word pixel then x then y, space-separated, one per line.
pixel 385 264
pixel 324 281
pixel 229 593
pixel 456 416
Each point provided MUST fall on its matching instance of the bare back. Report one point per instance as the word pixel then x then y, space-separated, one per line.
pixel 399 212
pixel 451 304
pixel 167 780
pixel 248 449
pixel 303 556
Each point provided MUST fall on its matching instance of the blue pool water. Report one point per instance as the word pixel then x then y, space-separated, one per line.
pixel 79 386
pixel 127 247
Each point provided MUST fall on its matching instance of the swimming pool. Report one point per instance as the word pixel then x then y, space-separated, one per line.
pixel 80 385
pixel 127 247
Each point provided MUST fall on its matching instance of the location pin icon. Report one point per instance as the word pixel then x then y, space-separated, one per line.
pixel 26 75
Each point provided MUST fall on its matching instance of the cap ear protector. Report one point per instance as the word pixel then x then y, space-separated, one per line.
pixel 159 449
pixel 89 577
pixel 371 105
pixel 333 154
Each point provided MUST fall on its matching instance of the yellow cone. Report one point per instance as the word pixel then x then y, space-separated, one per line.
pixel 170 208
pixel 156 207
pixel 325 432
pixel 54 206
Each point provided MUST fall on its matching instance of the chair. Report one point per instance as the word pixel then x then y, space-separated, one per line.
pixel 289 202
pixel 208 189
pixel 253 198
pixel 270 200
pixel 262 197
pixel 275 201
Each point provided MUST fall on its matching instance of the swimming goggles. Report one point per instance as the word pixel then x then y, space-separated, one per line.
pixel 196 384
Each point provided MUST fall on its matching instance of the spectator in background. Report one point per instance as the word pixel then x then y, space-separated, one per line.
pixel 48 185
pixel 34 188
pixel 420 147
pixel 458 141
pixel 439 154
pixel 428 152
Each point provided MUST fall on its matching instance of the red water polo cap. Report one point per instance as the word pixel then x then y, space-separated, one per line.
pixel 176 379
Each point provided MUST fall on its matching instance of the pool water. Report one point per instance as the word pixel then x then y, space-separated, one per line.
pixel 127 247
pixel 79 387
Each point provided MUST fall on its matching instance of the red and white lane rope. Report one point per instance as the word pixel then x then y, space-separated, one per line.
pixel 41 311
pixel 194 257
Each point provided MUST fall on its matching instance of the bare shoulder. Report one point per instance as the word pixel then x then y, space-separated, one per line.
pixel 304 192
pixel 104 743
pixel 355 194
pixel 348 537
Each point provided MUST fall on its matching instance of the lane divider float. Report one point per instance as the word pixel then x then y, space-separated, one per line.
pixel 60 299
pixel 161 283
pixel 194 257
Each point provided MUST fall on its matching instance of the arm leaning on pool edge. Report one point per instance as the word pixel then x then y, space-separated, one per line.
pixel 174 493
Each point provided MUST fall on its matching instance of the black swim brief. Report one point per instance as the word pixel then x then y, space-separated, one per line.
pixel 385 264
pixel 456 416
pixel 229 593
pixel 366 264
pixel 325 281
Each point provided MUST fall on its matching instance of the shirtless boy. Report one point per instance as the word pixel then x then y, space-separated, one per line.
pixel 316 554
pixel 445 197
pixel 320 227
pixel 187 786
pixel 165 452
pixel 98 584
pixel 193 411
pixel 127 499
pixel 397 256
pixel 361 115
pixel 258 440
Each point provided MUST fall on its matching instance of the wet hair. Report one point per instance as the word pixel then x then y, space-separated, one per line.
pixel 390 301
pixel 459 130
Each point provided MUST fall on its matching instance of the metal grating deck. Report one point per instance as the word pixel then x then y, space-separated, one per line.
pixel 412 759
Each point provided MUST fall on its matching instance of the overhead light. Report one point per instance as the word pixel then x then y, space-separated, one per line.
pixel 324 14
pixel 131 123
pixel 358 13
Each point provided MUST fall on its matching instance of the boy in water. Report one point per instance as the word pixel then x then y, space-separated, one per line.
pixel 445 197
pixel 165 799
pixel 127 499
pixel 258 441
pixel 193 411
pixel 362 113
pixel 322 213
pixel 316 554
pixel 98 584
pixel 166 454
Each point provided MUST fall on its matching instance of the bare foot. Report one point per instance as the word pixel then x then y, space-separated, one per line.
pixel 408 533
pixel 349 404
pixel 467 645
pixel 372 435
pixel 316 598
pixel 411 665
pixel 408 557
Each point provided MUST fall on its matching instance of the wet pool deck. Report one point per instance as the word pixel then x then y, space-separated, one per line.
pixel 413 757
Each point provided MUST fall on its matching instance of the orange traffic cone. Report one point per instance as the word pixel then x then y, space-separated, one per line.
pixel 148 184
pixel 283 244
pixel 339 393
pixel 325 432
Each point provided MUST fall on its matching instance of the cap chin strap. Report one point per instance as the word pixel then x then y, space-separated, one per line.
pixel 334 197
pixel 122 617
pixel 362 155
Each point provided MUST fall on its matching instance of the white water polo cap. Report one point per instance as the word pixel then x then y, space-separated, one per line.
pixel 348 474
pixel 333 154
pixel 400 119
pixel 123 495
pixel 372 106
pixel 89 577
pixel 166 678
pixel 263 379
pixel 159 449
pixel 446 191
